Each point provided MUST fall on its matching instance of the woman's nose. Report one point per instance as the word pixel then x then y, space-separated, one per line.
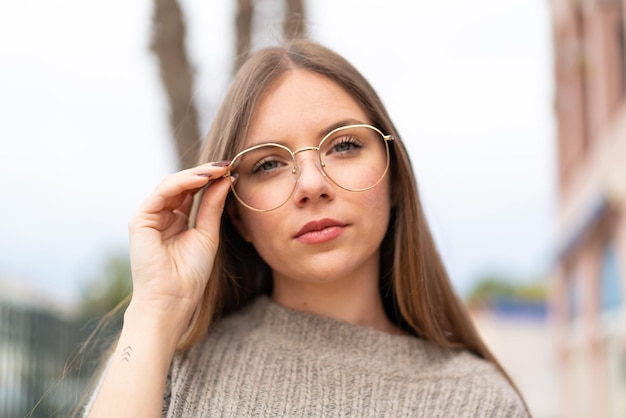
pixel 312 184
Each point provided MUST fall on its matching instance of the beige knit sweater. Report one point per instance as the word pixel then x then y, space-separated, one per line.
pixel 267 361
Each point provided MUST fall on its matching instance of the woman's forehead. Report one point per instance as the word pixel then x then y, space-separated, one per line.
pixel 302 102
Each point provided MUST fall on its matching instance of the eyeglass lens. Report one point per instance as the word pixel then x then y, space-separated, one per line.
pixel 355 158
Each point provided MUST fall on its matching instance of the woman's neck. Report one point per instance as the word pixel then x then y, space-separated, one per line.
pixel 355 301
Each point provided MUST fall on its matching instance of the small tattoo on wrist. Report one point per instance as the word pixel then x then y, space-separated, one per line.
pixel 126 353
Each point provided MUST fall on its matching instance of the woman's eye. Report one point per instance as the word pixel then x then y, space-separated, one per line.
pixel 343 146
pixel 346 145
pixel 266 165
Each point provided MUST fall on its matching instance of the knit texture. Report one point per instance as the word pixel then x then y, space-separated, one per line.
pixel 267 361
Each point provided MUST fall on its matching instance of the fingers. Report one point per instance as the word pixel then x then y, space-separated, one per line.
pixel 212 204
pixel 181 213
pixel 184 208
pixel 175 188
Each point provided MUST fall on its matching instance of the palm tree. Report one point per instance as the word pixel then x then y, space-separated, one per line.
pixel 168 43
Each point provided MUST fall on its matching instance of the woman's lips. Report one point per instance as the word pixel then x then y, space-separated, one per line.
pixel 317 232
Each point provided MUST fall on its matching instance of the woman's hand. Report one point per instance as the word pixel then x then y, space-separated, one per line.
pixel 171 262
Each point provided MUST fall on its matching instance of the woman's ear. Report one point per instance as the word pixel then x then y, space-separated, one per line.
pixel 235 218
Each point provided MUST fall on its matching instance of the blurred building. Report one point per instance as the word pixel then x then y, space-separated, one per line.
pixel 518 335
pixel 37 345
pixel 589 295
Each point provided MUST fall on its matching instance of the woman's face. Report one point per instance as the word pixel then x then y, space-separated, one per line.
pixel 323 233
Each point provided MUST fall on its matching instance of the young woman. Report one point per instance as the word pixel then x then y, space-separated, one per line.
pixel 314 287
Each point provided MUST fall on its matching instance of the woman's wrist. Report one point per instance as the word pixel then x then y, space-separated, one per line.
pixel 159 323
pixel 137 370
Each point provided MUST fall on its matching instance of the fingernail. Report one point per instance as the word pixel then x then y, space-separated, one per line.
pixel 223 163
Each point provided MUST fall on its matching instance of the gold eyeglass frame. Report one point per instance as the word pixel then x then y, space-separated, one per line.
pixel 386 139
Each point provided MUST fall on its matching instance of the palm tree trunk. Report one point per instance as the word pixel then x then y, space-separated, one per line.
pixel 168 43
pixel 294 22
pixel 243 35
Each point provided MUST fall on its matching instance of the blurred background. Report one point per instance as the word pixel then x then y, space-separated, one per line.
pixel 514 114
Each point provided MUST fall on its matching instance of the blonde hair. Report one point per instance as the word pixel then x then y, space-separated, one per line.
pixel 414 285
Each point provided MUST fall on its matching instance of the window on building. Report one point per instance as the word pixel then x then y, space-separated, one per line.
pixel 573 297
pixel 610 282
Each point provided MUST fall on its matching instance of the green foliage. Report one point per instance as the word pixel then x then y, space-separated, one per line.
pixel 108 289
pixel 492 288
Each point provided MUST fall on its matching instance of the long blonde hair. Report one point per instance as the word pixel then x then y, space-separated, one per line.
pixel 414 285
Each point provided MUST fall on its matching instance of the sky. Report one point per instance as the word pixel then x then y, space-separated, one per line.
pixel 84 134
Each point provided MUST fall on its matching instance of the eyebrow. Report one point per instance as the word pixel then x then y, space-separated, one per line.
pixel 323 132
pixel 339 124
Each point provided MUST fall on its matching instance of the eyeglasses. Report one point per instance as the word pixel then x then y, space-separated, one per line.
pixel 354 157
